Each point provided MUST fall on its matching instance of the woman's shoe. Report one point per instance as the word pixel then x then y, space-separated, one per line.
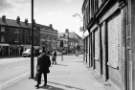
pixel 45 85
pixel 37 86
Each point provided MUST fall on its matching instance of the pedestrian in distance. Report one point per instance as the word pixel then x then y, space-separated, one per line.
pixel 61 56
pixel 43 64
pixel 62 53
pixel 54 56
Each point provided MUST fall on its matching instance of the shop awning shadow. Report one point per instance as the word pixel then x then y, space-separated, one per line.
pixel 51 87
pixel 61 64
pixel 64 85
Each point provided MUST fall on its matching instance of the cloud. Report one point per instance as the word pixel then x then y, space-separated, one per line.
pixel 4 4
pixel 19 1
pixel 68 1
pixel 14 8
pixel 9 4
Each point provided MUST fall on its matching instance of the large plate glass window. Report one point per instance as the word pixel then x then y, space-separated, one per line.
pixel 114 41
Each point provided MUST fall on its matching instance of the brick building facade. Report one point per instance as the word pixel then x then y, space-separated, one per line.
pixel 48 37
pixel 15 36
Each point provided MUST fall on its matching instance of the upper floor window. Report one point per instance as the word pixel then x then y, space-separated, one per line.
pixel 2 39
pixel 2 29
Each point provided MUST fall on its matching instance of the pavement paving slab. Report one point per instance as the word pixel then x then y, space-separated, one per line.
pixel 69 74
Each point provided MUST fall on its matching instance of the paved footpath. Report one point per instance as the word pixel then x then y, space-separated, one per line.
pixel 69 74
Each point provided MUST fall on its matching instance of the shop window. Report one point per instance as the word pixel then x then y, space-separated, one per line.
pixel 97 49
pixel 114 41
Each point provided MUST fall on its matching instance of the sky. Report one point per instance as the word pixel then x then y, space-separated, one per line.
pixel 62 14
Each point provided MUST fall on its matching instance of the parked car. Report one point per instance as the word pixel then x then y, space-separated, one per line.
pixel 26 53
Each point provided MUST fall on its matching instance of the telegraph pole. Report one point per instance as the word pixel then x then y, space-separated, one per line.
pixel 32 38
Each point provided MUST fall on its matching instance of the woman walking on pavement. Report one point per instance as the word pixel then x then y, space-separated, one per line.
pixel 54 57
pixel 43 65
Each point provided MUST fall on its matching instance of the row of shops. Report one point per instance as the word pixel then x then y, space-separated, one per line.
pixel 109 42
pixel 7 50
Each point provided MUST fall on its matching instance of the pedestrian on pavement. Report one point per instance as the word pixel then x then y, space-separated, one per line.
pixel 54 57
pixel 62 53
pixel 61 56
pixel 43 64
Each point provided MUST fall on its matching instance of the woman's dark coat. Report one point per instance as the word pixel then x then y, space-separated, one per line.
pixel 43 63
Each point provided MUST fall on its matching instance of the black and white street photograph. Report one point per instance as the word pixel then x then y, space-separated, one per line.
pixel 67 45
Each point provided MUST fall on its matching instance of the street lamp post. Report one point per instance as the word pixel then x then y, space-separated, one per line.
pixel 32 38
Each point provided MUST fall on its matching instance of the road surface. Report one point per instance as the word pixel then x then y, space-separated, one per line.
pixel 11 68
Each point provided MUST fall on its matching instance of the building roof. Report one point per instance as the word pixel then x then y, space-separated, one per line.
pixel 13 23
pixel 22 24
pixel 72 35
pixel 43 27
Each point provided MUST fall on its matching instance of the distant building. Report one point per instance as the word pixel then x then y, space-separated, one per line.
pixel 70 41
pixel 15 36
pixel 48 37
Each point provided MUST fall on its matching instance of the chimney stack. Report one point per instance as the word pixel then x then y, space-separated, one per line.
pixel 4 18
pixel 26 21
pixel 18 19
pixel 51 26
